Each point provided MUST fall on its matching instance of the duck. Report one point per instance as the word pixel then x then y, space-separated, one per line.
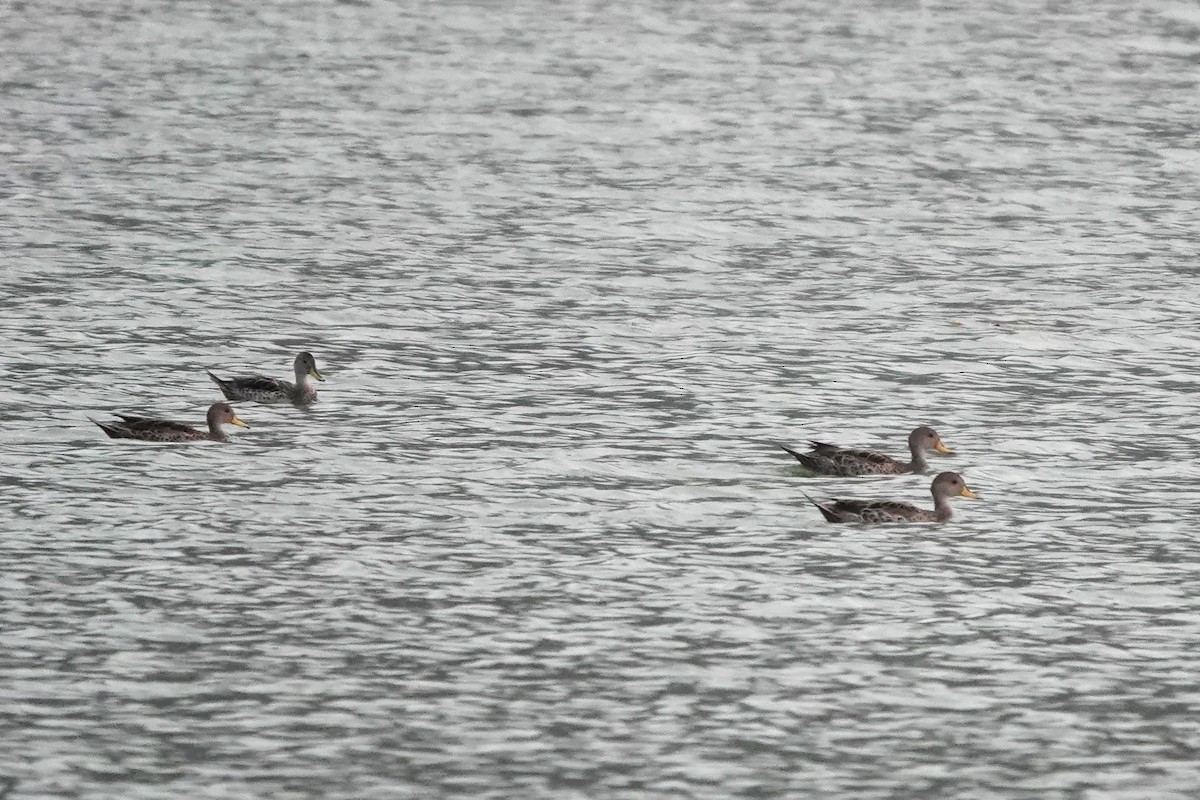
pixel 830 459
pixel 151 429
pixel 261 389
pixel 944 486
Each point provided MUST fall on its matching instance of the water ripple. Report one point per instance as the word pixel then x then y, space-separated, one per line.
pixel 572 275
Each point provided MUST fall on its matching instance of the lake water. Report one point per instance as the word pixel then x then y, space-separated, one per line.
pixel 572 270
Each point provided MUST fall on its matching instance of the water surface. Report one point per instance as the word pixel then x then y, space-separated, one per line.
pixel 571 272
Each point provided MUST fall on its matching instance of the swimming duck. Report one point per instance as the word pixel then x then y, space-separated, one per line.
pixel 149 429
pixel 261 389
pixel 945 486
pixel 829 459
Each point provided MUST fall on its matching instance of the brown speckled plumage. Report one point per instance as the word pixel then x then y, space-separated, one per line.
pixel 945 486
pixel 829 459
pixel 261 389
pixel 150 429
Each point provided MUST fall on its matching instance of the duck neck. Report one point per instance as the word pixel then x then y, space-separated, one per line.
pixel 215 432
pixel 306 390
pixel 304 383
pixel 919 464
pixel 941 508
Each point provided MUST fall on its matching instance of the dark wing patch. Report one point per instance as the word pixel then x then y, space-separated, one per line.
pixel 894 507
pixel 852 506
pixel 891 511
pixel 260 383
pixel 874 511
pixel 868 456
pixel 136 424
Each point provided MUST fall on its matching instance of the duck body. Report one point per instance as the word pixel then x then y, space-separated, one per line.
pixel 874 512
pixel 830 459
pixel 261 389
pixel 152 429
pixel 944 486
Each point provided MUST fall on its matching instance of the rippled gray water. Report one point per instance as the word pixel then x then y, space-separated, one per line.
pixel 571 271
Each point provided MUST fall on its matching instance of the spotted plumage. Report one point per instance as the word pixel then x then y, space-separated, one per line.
pixel 945 486
pixel 261 389
pixel 150 429
pixel 829 459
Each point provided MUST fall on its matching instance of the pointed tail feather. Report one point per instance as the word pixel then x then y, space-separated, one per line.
pixel 805 460
pixel 826 512
pixel 108 428
pixel 224 385
pixel 793 453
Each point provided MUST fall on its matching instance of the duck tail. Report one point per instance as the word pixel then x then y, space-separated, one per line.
pixel 224 386
pixel 108 428
pixel 805 459
pixel 826 512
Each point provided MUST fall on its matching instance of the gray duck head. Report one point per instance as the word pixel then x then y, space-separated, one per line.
pixel 222 414
pixel 925 438
pixel 950 484
pixel 307 365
